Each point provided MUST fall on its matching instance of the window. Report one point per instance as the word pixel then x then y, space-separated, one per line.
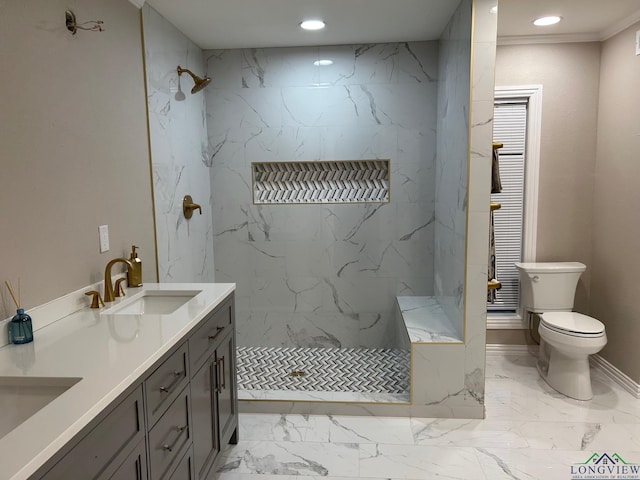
pixel 510 129
pixel 529 96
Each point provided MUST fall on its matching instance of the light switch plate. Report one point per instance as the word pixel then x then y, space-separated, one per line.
pixel 104 238
pixel 638 42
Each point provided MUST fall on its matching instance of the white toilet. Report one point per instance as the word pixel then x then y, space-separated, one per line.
pixel 566 338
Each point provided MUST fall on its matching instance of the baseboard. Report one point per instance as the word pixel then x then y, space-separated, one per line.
pixel 597 362
pixel 616 375
pixel 509 349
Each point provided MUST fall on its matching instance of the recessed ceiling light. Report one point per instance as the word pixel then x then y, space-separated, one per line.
pixel 494 9
pixel 312 25
pixel 323 63
pixel 546 21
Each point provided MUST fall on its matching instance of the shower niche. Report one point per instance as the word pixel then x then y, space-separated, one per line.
pixel 348 181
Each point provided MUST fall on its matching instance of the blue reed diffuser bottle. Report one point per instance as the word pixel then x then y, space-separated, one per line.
pixel 20 326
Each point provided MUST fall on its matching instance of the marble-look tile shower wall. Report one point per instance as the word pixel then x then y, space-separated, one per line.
pixel 323 275
pixel 178 134
pixel 452 163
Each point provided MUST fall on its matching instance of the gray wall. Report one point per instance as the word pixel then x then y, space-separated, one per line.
pixel 616 197
pixel 73 144
pixel 323 275
pixel 589 174
pixel 569 74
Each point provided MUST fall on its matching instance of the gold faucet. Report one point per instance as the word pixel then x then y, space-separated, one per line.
pixel 108 286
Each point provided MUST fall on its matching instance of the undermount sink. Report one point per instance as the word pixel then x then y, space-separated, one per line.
pixel 21 397
pixel 153 302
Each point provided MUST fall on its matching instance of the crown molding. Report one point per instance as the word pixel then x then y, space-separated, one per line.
pixel 138 3
pixel 601 36
pixel 539 39
pixel 620 26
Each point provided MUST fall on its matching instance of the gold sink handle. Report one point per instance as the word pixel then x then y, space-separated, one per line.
pixel 96 301
pixel 188 206
pixel 118 291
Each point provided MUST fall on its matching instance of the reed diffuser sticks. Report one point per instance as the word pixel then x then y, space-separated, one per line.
pixel 13 294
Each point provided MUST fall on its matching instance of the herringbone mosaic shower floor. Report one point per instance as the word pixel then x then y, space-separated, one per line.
pixel 364 370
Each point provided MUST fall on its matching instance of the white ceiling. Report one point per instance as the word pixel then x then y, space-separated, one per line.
pixel 582 20
pixel 274 23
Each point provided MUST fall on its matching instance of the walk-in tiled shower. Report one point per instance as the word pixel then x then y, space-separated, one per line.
pixel 319 263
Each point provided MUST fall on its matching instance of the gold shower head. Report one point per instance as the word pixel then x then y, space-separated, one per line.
pixel 200 83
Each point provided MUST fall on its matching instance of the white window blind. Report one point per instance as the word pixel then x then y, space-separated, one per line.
pixel 509 128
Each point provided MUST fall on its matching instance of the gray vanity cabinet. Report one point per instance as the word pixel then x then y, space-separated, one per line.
pixel 213 391
pixel 172 423
pixel 108 446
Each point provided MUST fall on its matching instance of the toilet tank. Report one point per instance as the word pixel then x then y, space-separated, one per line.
pixel 549 286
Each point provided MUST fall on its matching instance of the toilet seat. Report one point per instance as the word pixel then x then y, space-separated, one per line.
pixel 572 323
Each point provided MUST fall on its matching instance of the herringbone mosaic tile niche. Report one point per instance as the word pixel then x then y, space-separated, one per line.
pixel 348 181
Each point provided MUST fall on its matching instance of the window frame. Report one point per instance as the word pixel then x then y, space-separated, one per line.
pixel 509 321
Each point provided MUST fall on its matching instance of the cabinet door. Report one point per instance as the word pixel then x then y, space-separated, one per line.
pixel 203 406
pixel 226 389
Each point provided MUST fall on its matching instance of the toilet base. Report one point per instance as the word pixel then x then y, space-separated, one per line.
pixel 569 375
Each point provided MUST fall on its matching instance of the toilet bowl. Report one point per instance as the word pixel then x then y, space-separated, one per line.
pixel 566 341
pixel 566 338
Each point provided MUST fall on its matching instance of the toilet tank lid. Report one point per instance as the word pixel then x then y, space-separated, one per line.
pixel 573 322
pixel 551 267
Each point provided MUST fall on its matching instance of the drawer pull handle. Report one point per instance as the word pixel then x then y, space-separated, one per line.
pixel 221 374
pixel 178 376
pixel 224 374
pixel 169 448
pixel 218 330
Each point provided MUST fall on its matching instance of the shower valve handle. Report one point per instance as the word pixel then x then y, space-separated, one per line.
pixel 188 207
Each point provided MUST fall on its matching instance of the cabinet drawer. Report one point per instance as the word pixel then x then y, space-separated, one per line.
pixel 163 385
pixel 184 470
pixel 206 336
pixel 169 436
pixel 134 467
pixel 108 444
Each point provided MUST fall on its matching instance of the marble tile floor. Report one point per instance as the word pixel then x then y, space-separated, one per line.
pixel 530 432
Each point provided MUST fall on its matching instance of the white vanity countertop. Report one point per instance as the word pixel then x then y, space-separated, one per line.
pixel 108 352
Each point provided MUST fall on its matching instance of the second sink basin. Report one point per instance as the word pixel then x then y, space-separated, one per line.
pixel 21 397
pixel 153 302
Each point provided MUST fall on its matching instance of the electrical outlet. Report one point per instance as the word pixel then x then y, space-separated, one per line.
pixel 638 42
pixel 104 238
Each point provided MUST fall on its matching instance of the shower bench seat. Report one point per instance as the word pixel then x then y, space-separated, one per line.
pixel 424 321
